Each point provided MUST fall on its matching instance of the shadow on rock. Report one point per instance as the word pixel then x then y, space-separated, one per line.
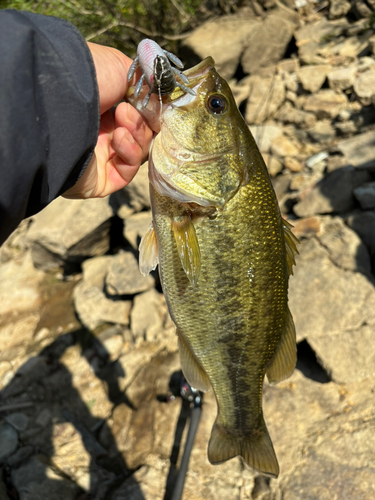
pixel 62 445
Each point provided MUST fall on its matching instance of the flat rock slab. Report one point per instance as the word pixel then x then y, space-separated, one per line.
pixel 364 87
pixel 8 440
pixel 235 29
pixel 268 40
pixel 363 223
pixel 342 78
pixel 136 226
pixel 19 285
pixel 124 277
pixel 69 230
pixel 366 195
pixel 312 77
pixel 311 37
pixel 135 197
pixel 37 481
pixel 265 97
pixel 359 150
pixel 93 307
pixel 330 307
pixel 313 445
pixel 325 104
pixel 334 193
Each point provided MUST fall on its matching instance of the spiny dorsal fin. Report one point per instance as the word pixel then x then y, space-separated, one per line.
pixel 187 247
pixel 194 374
pixel 148 251
pixel 285 358
pixel 291 242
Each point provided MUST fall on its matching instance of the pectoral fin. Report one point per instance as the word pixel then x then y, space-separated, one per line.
pixel 194 374
pixel 187 247
pixel 284 361
pixel 291 243
pixel 148 251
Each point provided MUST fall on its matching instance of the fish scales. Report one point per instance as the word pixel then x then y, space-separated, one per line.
pixel 225 255
pixel 230 344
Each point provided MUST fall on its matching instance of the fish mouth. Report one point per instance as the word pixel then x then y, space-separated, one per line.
pixel 196 75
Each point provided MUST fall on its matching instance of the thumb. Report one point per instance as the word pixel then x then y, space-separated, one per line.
pixel 112 68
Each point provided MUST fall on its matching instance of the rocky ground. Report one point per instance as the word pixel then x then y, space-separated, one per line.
pixel 88 352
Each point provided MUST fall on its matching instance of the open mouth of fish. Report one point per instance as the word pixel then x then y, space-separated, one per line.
pixel 169 183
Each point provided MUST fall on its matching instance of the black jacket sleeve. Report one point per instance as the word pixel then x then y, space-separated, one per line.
pixel 49 112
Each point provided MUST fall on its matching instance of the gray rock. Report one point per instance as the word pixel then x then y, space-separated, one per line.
pixel 3 489
pixel 19 286
pixel 363 224
pixel 311 36
pixel 364 87
pixel 289 114
pixel 8 440
pixel 325 104
pixel 268 40
pixel 313 77
pixel 18 420
pixel 264 135
pixel 136 226
pixel 135 197
pixel 70 230
pixel 20 456
pixel 283 146
pixel 147 315
pixel 124 277
pixel 327 300
pixel 335 348
pixel 235 29
pixel 348 47
pixel 361 9
pixel 274 166
pixel 338 8
pixel 322 131
pixel 334 193
pixel 359 151
pixel 265 97
pixel 91 303
pixel 35 480
pixel 347 128
pixel 342 78
pixel 293 164
pixel 313 445
pixel 344 246
pixel 366 195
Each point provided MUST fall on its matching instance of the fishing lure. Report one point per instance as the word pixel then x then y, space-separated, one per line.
pixel 157 71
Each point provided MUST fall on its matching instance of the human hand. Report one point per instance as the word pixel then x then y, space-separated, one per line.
pixel 124 137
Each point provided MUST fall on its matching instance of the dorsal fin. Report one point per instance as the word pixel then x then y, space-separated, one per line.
pixel 291 242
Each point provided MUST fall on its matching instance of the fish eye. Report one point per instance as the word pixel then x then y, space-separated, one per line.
pixel 217 104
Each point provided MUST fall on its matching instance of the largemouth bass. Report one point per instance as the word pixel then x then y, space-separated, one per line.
pixel 225 256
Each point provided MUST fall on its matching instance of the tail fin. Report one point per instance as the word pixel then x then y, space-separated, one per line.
pixel 256 449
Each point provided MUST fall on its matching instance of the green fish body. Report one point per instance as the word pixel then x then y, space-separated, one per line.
pixel 224 255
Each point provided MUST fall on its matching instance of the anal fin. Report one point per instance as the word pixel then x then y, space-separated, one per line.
pixel 256 448
pixel 193 373
pixel 187 247
pixel 148 251
pixel 285 358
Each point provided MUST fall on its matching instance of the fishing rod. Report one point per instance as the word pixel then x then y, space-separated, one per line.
pixel 191 409
pixel 195 398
